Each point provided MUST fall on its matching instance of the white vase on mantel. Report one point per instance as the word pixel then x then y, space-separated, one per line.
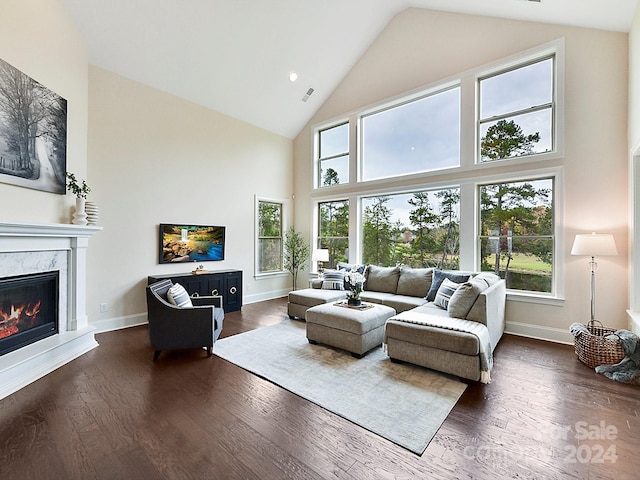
pixel 92 210
pixel 79 215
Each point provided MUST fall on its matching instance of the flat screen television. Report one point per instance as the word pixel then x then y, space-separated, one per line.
pixel 191 243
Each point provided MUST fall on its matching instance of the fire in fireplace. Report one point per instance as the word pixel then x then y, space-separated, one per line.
pixel 28 309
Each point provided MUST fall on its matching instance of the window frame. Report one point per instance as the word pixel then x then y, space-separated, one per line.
pixel 285 207
pixel 551 236
pixel 467 176
pixel 318 159
pixel 554 50
pixel 557 266
pixel 423 94
pixel 317 231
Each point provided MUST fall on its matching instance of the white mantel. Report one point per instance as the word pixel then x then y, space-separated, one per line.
pixel 25 247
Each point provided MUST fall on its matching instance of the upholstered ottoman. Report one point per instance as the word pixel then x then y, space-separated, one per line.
pixel 351 329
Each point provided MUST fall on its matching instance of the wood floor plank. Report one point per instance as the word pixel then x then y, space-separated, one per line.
pixel 113 413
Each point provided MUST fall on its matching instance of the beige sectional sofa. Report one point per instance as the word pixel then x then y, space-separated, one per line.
pixel 429 333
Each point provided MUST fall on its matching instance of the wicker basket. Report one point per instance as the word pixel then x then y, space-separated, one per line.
pixel 594 349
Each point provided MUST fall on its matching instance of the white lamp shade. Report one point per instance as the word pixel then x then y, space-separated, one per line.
pixel 594 245
pixel 320 255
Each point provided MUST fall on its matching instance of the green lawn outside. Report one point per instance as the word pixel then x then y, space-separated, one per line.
pixel 522 263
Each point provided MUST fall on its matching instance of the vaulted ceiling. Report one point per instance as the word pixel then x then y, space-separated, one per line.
pixel 235 56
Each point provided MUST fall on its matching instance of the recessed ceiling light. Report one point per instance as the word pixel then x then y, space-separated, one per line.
pixel 293 76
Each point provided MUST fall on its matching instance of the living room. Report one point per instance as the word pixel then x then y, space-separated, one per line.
pixel 153 157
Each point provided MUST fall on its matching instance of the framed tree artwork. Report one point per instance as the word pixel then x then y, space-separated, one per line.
pixel 33 133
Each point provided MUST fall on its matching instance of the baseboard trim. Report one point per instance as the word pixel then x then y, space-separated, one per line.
pixel 549 334
pixel 261 297
pixel 118 323
pixel 634 321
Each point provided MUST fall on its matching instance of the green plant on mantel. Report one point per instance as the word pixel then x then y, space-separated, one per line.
pixel 79 190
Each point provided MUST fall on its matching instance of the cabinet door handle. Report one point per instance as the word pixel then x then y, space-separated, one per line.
pixel 233 290
pixel 214 292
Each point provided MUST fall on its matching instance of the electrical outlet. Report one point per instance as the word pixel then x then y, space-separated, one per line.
pixel 103 307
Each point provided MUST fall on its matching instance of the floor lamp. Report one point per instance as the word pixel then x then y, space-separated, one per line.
pixel 594 245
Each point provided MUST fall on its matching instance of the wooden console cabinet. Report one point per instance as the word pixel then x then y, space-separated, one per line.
pixel 227 283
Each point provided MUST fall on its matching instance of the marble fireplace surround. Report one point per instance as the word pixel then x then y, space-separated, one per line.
pixel 31 248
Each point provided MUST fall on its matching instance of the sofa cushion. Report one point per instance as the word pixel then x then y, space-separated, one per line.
pixel 446 290
pixel 414 282
pixel 439 276
pixel 431 308
pixel 402 303
pixel 382 279
pixel 315 296
pixel 433 337
pixel 178 296
pixel 333 280
pixel 465 296
pixel 376 297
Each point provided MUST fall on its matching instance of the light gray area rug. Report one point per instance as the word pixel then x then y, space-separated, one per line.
pixel 402 403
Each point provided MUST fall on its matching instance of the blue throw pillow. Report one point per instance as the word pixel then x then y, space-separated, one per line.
pixel 438 278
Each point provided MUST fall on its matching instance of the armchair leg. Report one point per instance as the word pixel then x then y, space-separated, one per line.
pixel 156 354
pixel 209 351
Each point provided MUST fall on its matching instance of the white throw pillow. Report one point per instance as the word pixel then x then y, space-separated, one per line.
pixel 333 280
pixel 447 288
pixel 179 296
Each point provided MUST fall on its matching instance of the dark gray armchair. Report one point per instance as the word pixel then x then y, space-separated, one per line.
pixel 172 327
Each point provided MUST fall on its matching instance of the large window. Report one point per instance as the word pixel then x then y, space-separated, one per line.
pixel 517 233
pixel 427 184
pixel 333 230
pixel 269 250
pixel 516 114
pixel 333 155
pixel 417 229
pixel 414 137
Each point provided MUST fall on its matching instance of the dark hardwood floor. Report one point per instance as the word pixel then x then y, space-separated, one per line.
pixel 113 414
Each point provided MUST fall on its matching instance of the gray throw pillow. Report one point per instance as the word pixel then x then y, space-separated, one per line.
pixel 415 282
pixel 382 279
pixel 439 276
pixel 465 296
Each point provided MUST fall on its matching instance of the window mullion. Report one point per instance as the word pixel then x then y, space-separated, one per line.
pixel 524 111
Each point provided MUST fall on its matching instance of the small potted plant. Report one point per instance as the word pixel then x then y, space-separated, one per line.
pixel 80 190
pixel 354 282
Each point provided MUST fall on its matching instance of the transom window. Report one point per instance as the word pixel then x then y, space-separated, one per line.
pixel 516 114
pixel 417 136
pixel 333 155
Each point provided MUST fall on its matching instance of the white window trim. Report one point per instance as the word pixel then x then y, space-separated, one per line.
pixel 555 48
pixel 286 221
pixel 556 173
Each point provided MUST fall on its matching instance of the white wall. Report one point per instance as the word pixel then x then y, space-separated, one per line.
pixel 420 47
pixel 155 158
pixel 38 38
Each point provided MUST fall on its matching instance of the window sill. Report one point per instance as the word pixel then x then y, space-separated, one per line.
pixel 535 298
pixel 267 276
